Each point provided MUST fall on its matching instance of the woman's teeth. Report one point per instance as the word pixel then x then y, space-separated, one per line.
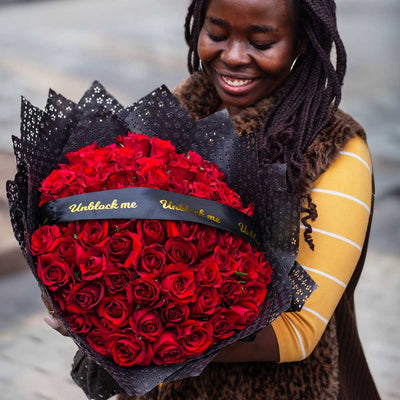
pixel 236 82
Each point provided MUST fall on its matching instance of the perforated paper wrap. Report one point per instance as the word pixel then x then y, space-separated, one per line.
pixel 64 126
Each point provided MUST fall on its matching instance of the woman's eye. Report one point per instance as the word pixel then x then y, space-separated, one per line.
pixel 216 38
pixel 262 46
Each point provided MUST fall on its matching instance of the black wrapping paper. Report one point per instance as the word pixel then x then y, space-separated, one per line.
pixel 65 126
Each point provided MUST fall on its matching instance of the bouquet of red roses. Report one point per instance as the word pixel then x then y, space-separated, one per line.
pixel 145 250
pixel 144 291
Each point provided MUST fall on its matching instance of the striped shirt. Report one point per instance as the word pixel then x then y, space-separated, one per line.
pixel 343 198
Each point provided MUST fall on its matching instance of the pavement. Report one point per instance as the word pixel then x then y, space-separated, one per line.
pixel 132 47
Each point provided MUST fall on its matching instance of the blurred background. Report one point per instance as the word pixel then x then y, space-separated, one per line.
pixel 132 47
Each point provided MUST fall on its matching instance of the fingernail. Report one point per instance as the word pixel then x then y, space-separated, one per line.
pixel 52 322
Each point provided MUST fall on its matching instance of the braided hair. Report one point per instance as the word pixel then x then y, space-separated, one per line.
pixel 308 99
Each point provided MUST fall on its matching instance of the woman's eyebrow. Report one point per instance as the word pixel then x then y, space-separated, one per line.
pixel 264 28
pixel 254 28
pixel 217 21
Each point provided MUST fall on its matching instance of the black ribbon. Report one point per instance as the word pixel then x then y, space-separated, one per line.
pixel 147 203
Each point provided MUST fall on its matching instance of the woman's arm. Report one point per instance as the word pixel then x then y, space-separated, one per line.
pixel 343 197
pixel 263 348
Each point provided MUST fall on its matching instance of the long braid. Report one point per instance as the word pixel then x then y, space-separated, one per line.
pixel 306 102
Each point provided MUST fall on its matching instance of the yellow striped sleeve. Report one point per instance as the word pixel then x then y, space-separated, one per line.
pixel 343 198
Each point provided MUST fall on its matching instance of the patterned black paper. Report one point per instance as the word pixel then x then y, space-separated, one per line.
pixel 65 126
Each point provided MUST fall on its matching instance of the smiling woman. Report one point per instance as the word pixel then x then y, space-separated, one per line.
pixel 247 56
pixel 268 62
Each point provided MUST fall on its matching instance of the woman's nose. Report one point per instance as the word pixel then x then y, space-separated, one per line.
pixel 235 53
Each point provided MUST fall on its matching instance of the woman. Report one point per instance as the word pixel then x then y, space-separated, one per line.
pixel 268 63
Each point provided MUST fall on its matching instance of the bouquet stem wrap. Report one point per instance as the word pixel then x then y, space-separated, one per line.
pixel 64 127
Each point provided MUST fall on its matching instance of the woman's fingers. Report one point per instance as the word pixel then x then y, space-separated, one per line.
pixel 56 324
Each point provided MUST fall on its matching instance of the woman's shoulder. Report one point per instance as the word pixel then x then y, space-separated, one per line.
pixel 348 126
pixel 341 130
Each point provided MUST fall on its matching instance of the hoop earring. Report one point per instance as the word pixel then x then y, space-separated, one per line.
pixel 294 62
pixel 201 67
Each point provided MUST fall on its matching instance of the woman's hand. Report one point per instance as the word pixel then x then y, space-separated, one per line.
pixel 51 319
pixel 264 348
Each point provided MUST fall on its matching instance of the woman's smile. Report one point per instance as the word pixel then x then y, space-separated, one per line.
pixel 236 86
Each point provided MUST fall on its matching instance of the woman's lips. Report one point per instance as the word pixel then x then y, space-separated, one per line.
pixel 235 82
pixel 236 86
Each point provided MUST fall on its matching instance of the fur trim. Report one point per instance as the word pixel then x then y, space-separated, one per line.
pixel 199 97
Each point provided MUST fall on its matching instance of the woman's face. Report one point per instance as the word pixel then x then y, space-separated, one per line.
pixel 247 48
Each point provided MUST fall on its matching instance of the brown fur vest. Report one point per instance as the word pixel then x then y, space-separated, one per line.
pixel 337 368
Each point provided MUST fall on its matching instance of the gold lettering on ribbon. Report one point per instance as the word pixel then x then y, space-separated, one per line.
pixel 251 234
pixel 98 206
pixel 129 205
pixel 168 205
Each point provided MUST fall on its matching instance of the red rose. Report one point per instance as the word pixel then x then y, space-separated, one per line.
pixel 198 189
pixel 152 260
pixel 80 323
pixel 44 239
pixel 92 263
pixel 151 230
pixel 74 188
pixel 264 269
pixel 67 249
pixel 226 263
pixel 207 274
pixel 97 340
pixel 53 271
pixel 59 299
pixel 180 175
pixel 114 310
pixel 223 323
pixel 180 251
pixel 162 149
pixel 254 291
pixel 206 239
pixel 55 184
pixel 171 228
pixel 84 297
pixel 247 313
pixel 93 233
pixel 196 160
pixel 127 349
pixel 81 156
pixel 178 283
pixel 195 337
pixel 167 350
pixel 147 163
pixel 147 324
pixel 138 142
pixel 247 264
pixel 120 180
pixel 96 157
pixel 227 195
pixel 230 290
pixel 144 292
pixel 124 247
pixel 187 230
pixel 156 177
pixel 174 313
pixel 94 178
pixel 230 242
pixel 207 301
pixel 116 279
pixel 177 184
